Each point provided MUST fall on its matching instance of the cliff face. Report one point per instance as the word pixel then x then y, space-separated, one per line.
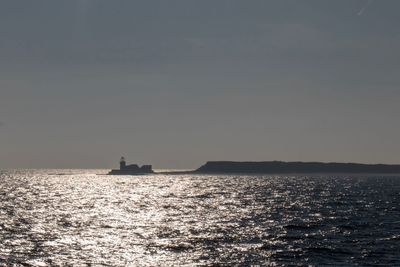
pixel 294 167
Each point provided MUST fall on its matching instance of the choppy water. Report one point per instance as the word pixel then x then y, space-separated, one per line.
pixel 84 219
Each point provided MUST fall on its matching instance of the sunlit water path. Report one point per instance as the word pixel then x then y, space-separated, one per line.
pixel 76 217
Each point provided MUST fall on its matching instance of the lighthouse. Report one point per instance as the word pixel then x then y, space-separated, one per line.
pixel 122 163
pixel 131 169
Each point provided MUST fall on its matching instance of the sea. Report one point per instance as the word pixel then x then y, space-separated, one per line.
pixel 86 218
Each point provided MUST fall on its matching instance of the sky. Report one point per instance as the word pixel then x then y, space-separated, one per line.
pixel 178 83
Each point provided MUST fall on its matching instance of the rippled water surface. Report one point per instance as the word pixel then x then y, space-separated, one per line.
pixel 79 218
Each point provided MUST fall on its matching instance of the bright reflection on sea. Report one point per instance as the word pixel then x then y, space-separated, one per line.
pixel 51 218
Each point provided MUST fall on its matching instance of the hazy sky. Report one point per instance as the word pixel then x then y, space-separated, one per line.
pixel 177 83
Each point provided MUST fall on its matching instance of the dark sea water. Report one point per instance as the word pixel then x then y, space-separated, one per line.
pixel 78 218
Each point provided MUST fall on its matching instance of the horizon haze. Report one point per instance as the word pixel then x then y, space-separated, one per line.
pixel 178 83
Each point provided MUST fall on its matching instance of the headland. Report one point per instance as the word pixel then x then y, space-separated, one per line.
pixel 272 167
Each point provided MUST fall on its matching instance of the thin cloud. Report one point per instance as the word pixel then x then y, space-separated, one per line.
pixel 361 12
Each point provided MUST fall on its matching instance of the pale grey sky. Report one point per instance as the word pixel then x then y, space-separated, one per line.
pixel 176 83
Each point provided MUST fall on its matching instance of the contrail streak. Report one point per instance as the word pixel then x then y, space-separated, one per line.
pixel 365 7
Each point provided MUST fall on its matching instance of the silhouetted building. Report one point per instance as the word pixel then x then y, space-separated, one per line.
pixel 122 163
pixel 131 169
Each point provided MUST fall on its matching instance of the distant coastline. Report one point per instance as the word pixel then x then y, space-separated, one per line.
pixel 265 167
pixel 270 167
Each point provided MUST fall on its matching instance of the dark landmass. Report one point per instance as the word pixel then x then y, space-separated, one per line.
pixel 139 171
pixel 270 167
pixel 264 167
